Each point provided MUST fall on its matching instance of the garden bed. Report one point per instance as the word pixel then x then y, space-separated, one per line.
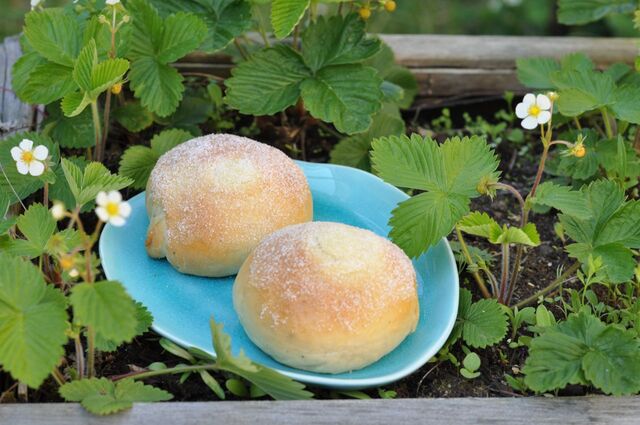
pixel 464 73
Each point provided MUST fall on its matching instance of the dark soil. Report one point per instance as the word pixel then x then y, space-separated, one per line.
pixel 432 380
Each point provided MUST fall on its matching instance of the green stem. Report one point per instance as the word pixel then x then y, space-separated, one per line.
pixel 504 277
pixel 79 357
pixel 550 287
pixel 465 251
pixel 58 376
pixel 607 122
pixel 95 114
pixel 91 352
pixel 168 371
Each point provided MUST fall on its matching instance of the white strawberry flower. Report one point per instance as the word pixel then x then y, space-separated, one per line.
pixel 29 160
pixel 112 209
pixel 534 110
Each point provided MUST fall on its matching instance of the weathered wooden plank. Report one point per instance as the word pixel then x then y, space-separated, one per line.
pixel 496 52
pixel 454 66
pixel 463 411
pixel 14 115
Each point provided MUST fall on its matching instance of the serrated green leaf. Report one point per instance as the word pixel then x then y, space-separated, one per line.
pixel 271 382
pixel 404 78
pixel 69 132
pixel 138 161
pixel 354 151
pixel 478 224
pixel 52 32
pixel 535 72
pixel 47 83
pixel 133 116
pixel 37 225
pixel 158 86
pixel 267 83
pixel 423 220
pixel 107 308
pixel 85 185
pixel 155 42
pixel 74 103
pixel 613 364
pixel 577 12
pixel 225 19
pixel 338 40
pixel 610 233
pixel 584 350
pixel 562 198
pixel 60 191
pixel 583 90
pixel 345 95
pixel 483 323
pixel 84 64
pixel 103 396
pixel 449 173
pixel 471 362
pixel 144 320
pixel 33 322
pixel 285 15
pixel 625 106
pixel 527 235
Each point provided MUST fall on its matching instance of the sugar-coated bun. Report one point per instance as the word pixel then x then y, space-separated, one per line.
pixel 326 297
pixel 211 200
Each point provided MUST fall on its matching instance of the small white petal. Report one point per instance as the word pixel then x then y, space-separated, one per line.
pixel 16 153
pixel 102 214
pixel 522 110
pixel 543 102
pixel 115 197
pixel 544 117
pixel 36 168
pixel 26 144
pixel 102 199
pixel 112 2
pixel 117 221
pixel 58 210
pixel 125 209
pixel 530 123
pixel 529 99
pixel 41 152
pixel 23 167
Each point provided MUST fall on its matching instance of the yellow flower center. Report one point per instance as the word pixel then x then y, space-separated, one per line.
pixel 112 208
pixel 534 110
pixel 66 262
pixel 27 156
pixel 579 151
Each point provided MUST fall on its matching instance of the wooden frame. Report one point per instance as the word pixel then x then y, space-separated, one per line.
pixel 463 411
pixel 446 67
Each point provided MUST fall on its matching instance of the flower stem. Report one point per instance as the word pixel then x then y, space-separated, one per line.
pixel 58 376
pixel 169 371
pixel 465 251
pixel 97 130
pixel 550 287
pixel 91 351
pixel 79 357
pixel 504 277
pixel 607 122
pixel 517 195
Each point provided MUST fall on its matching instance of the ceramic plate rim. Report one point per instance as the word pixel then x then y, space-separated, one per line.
pixel 328 380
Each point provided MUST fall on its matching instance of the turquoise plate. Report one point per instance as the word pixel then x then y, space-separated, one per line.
pixel 182 304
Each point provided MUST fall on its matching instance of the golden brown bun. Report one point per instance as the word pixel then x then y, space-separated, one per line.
pixel 212 199
pixel 326 297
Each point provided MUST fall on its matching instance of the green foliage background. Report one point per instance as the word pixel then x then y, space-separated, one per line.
pixel 516 17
